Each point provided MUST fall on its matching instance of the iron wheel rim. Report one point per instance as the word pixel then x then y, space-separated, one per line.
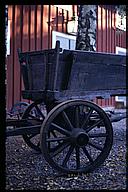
pixel 44 138
pixel 31 140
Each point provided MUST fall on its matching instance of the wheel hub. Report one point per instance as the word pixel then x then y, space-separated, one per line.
pixel 79 137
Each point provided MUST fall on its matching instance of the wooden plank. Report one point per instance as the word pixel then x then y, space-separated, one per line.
pixel 16 64
pixel 45 27
pixel 113 32
pixel 49 26
pixel 23 130
pixel 38 28
pixel 107 26
pixel 109 30
pixel 54 24
pixel 25 28
pixel 9 61
pixel 13 49
pixel 29 27
pixel 21 47
pixel 89 95
pixel 35 27
pixel 100 72
pixel 67 18
pixel 99 30
pixel 104 29
pixel 64 22
pixel 21 37
pixel 26 44
pixel 32 28
pixel 41 29
pixel 59 19
pixel 62 13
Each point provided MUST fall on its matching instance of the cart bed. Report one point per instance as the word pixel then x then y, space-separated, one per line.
pixel 55 75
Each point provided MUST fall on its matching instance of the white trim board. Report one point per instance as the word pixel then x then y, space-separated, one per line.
pixel 63 35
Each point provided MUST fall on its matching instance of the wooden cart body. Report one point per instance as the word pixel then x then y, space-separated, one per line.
pixel 55 75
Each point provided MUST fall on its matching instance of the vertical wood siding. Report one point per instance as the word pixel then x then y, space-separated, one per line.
pixel 121 39
pixel 31 29
pixel 106 38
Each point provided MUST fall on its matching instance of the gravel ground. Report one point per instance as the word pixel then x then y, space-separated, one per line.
pixel 26 169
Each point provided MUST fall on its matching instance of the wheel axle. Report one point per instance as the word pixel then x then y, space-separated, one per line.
pixel 79 137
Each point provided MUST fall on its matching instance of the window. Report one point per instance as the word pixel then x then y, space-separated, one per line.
pixel 66 7
pixel 121 51
pixel 66 41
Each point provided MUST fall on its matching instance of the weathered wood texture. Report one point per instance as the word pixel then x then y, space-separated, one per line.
pixel 93 71
pixel 73 74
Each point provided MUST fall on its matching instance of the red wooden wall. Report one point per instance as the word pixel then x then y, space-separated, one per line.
pixel 31 29
pixel 106 38
pixel 121 39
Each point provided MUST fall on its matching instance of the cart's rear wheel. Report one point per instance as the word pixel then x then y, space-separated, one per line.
pixel 76 136
pixel 17 110
pixel 35 114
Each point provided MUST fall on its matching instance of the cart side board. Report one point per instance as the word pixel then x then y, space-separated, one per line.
pixel 56 74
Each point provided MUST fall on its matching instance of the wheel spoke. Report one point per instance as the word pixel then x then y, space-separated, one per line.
pixel 66 118
pixel 60 129
pixel 87 118
pixel 76 124
pixel 53 133
pixel 97 123
pixel 87 154
pixel 39 111
pixel 91 135
pixel 77 157
pixel 34 118
pixel 67 155
pixel 96 146
pixel 77 117
pixel 59 148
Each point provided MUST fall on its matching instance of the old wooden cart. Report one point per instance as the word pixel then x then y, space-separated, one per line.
pixel 74 134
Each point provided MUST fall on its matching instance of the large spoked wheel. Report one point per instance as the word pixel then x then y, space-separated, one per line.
pixel 76 136
pixel 34 114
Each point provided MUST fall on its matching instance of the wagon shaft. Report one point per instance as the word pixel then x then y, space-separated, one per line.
pixel 23 130
pixel 15 122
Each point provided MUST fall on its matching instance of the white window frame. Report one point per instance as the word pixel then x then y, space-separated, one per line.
pixel 65 7
pixel 123 50
pixel 56 33
pixel 120 49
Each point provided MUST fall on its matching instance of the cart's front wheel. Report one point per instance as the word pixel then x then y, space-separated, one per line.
pixel 76 136
pixel 34 114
